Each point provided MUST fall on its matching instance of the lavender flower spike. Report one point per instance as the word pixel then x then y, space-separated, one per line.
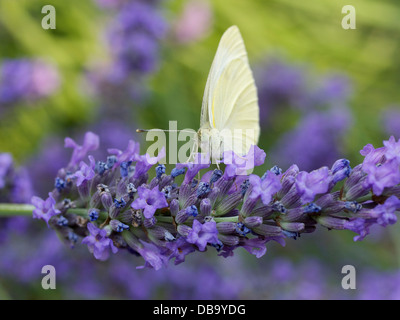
pixel 161 220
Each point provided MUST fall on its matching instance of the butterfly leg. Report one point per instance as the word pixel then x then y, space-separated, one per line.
pixel 194 149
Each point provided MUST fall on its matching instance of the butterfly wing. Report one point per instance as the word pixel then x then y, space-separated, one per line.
pixel 230 102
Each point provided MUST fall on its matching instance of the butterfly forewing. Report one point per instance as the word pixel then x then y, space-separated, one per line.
pixel 230 98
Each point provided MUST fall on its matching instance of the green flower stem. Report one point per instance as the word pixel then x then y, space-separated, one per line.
pixel 216 219
pixel 226 219
pixel 164 219
pixel 365 198
pixel 8 210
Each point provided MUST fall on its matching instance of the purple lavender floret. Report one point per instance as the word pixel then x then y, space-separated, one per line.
pixel 161 220
pixel 149 200
pixel 45 209
pixel 310 184
pixel 385 213
pixel 90 143
pixel 203 234
pixel 99 243
pixel 239 165
pixel 264 188
pixel 382 166
pixel 85 173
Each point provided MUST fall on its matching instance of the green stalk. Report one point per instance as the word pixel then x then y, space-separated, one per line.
pixel 216 219
pixel 8 210
pixel 364 198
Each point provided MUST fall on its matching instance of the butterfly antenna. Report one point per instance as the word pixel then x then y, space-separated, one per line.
pixel 148 130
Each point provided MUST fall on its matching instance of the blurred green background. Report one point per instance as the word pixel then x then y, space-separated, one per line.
pixel 306 33
pixel 301 31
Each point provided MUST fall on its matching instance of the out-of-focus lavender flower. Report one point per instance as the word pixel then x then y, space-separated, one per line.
pixel 195 21
pixel 333 90
pixel 280 85
pixel 379 285
pixel 312 279
pixel 15 182
pixel 27 79
pixel 134 36
pixel 291 86
pixel 15 187
pixel 314 142
pixel 22 186
pixel 6 162
pixel 390 121
pixel 319 102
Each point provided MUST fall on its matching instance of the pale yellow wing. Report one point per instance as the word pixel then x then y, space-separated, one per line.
pixel 230 100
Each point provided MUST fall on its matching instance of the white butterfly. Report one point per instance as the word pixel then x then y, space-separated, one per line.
pixel 230 113
pixel 229 118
